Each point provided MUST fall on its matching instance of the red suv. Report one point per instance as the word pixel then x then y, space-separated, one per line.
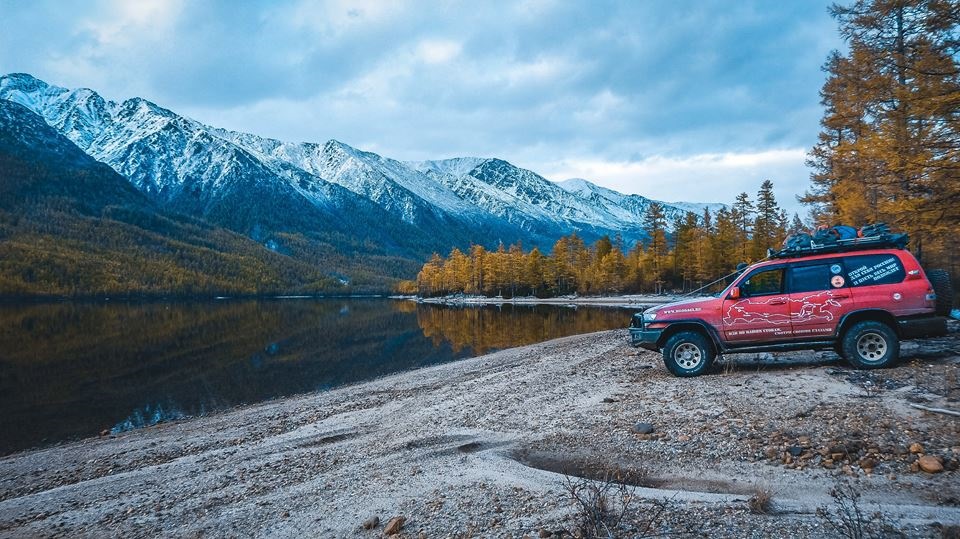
pixel 859 303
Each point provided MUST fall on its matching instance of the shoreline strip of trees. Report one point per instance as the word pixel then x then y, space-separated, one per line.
pixel 692 251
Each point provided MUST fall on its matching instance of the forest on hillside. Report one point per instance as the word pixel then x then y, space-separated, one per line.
pixel 55 242
pixel 888 151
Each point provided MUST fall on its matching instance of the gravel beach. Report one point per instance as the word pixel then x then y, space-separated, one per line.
pixel 491 447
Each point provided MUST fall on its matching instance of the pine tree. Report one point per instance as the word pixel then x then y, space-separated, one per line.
pixel 655 226
pixel 477 259
pixel 769 225
pixel 704 248
pixel 742 217
pixel 533 275
pixel 796 225
pixel 723 248
pixel 561 275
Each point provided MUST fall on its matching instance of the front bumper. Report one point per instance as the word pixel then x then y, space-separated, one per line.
pixel 645 338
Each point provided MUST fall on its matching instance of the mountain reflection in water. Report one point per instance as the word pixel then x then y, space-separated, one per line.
pixel 71 370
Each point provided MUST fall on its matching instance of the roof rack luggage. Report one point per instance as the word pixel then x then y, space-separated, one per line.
pixel 799 245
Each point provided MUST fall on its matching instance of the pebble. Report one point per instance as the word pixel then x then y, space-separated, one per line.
pixel 930 464
pixel 643 428
pixel 394 525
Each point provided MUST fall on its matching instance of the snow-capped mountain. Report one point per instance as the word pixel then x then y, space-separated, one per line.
pixel 191 168
pixel 635 205
pixel 261 186
pixel 73 226
pixel 523 197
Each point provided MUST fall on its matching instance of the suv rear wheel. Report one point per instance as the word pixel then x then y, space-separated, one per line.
pixel 871 345
pixel 688 353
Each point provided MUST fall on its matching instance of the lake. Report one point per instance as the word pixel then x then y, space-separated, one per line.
pixel 73 370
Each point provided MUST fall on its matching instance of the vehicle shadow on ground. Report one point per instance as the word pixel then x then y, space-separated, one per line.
pixel 730 363
pixel 929 350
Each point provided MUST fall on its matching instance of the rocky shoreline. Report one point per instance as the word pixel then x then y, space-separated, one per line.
pixel 495 446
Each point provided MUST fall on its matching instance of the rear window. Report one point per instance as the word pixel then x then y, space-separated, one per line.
pixel 869 270
pixel 825 276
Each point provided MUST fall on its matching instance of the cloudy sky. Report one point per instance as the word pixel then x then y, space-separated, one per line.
pixel 681 100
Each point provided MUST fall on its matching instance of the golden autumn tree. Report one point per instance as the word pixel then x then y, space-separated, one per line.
pixel 889 147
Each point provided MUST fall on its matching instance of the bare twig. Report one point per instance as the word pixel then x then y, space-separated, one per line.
pixel 954 413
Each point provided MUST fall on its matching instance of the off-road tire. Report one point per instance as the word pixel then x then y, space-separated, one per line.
pixel 942 287
pixel 688 353
pixel 871 345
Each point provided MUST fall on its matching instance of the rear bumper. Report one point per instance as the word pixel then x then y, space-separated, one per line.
pixel 645 338
pixel 916 328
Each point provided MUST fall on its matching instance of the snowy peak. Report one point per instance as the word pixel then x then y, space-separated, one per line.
pixel 577 186
pixel 250 183
pixel 698 207
pixel 456 167
pixel 586 189
pixel 78 114
pixel 23 83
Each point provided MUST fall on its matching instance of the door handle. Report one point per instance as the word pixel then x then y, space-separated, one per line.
pixel 841 296
pixel 778 301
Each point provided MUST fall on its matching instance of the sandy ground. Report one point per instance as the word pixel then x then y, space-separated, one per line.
pixel 465 449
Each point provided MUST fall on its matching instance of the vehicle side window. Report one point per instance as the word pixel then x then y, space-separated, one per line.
pixel 763 283
pixel 825 276
pixel 869 270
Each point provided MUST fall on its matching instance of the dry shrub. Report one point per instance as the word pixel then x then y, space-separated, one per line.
pixel 761 502
pixel 607 506
pixel 848 519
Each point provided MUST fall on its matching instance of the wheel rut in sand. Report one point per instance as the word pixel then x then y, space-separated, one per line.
pixel 595 467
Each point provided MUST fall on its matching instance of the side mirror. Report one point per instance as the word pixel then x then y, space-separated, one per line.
pixel 734 292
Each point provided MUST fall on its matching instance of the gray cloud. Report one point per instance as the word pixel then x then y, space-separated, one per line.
pixel 544 84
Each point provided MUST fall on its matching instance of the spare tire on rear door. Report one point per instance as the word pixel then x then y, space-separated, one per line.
pixel 942 287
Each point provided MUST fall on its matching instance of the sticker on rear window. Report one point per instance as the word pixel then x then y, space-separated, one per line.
pixel 837 281
pixel 875 270
pixel 836 269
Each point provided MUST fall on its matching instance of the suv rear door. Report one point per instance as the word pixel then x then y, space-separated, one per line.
pixel 881 281
pixel 820 295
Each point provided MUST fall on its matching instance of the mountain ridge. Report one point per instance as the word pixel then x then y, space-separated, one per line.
pixel 309 197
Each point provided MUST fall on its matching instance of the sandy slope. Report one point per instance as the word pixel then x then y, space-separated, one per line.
pixel 444 447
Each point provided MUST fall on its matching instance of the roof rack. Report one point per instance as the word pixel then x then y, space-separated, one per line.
pixel 880 241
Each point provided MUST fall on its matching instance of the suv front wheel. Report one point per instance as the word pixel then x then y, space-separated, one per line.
pixel 687 353
pixel 871 345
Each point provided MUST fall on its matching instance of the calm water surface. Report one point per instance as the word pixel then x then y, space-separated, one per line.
pixel 71 370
